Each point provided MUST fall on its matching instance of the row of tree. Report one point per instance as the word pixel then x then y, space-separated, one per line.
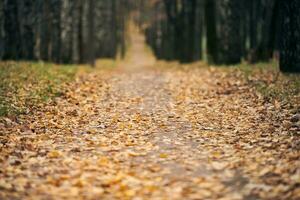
pixel 62 31
pixel 226 31
pixel 79 31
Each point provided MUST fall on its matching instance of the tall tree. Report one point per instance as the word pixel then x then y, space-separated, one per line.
pixel 12 37
pixel 264 51
pixel 198 35
pixel 113 27
pixel 91 33
pixel 230 32
pixel 190 11
pixel 253 28
pixel 67 10
pixel 26 22
pixel 181 15
pixel 56 48
pixel 1 29
pixel 211 30
pixel 79 38
pixel 290 36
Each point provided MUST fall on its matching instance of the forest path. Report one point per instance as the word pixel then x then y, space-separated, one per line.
pixel 146 131
pixel 139 55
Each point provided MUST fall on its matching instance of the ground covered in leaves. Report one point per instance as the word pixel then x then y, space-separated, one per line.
pixel 24 85
pixel 149 131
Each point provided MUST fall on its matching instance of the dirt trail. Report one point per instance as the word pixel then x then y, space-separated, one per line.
pixel 139 56
pixel 144 132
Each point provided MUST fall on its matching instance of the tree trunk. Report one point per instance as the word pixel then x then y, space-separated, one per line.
pixel 274 30
pixel 211 30
pixel 264 53
pixel 198 31
pixel 253 18
pixel 122 21
pixel 113 27
pixel 12 38
pixel 1 29
pixel 290 36
pixel 80 32
pixel 230 51
pixel 190 23
pixel 45 28
pixel 91 33
pixel 56 30
pixel 68 7
pixel 26 18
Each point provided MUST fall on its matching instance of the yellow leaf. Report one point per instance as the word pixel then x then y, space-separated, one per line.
pixel 103 161
pixel 216 154
pixel 163 155
pixel 54 154
pixel 130 193
pixel 80 183
pixel 92 131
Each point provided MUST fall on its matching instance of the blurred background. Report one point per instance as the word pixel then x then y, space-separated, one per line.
pixel 76 31
pixel 217 31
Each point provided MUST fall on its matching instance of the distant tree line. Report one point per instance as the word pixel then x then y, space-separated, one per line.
pixel 226 31
pixel 62 31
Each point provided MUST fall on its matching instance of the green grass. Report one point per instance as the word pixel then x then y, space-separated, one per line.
pixel 106 64
pixel 24 85
pixel 270 82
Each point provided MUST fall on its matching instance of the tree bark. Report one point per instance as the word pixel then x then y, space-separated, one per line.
pixel 190 23
pixel 26 17
pixel 230 51
pixel 80 32
pixel 91 33
pixel 12 38
pixel 211 30
pixel 56 30
pixel 198 30
pixel 290 36
pixel 1 29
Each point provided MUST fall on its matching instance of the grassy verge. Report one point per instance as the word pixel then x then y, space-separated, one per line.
pixel 270 82
pixel 266 78
pixel 107 64
pixel 26 84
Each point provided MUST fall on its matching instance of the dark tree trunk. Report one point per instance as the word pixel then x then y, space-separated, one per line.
pixel 12 38
pixel 123 19
pixel 56 31
pixel 273 44
pixel 230 32
pixel 198 31
pixel 290 36
pixel 67 10
pixel 113 29
pixel 1 29
pixel 190 23
pixel 45 28
pixel 175 18
pixel 80 32
pixel 91 33
pixel 26 14
pixel 264 53
pixel 211 30
pixel 264 23
pixel 253 19
pixel 76 31
pixel 253 24
pixel 245 4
